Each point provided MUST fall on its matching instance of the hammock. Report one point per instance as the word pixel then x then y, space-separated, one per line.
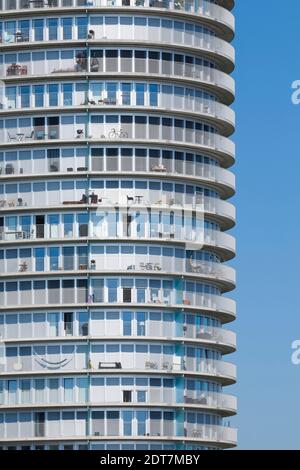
pixel 54 365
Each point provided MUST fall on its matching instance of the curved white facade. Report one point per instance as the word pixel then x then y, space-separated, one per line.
pixel 115 156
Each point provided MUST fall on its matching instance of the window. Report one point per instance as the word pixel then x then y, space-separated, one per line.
pixel 38 95
pixel 153 95
pixel 82 220
pixel 53 319
pixel 126 93
pixel 39 387
pixel 68 323
pixel 12 392
pixel 25 96
pixel 68 221
pixel 67 89
pixel 53 390
pixel 141 396
pixel 97 290
pixel 38 29
pixel 39 254
pixel 98 423
pixel 112 286
pixel 25 391
pixel 111 90
pixel 39 424
pixel 126 295
pixel 111 159
pixel 127 396
pixel 67 28
pixel 141 285
pixel 127 422
pixel 141 323
pixel 83 319
pixel 53 254
pixel 83 389
pixel 141 417
pixel 81 24
pixel 140 94
pixel 52 24
pixel 127 319
pixel 113 423
pixel 68 390
pixel 11 97
pixel 53 94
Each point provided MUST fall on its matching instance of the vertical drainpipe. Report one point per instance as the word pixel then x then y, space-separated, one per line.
pixel 87 134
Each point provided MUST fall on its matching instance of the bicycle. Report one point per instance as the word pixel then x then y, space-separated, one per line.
pixel 120 134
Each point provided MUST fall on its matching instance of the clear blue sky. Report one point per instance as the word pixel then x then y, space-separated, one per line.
pixel 268 231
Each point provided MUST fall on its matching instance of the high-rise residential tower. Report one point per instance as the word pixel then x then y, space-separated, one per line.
pixel 115 150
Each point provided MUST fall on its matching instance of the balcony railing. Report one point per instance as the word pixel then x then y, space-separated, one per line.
pixel 214 400
pixel 113 430
pixel 212 433
pixel 186 136
pixel 125 362
pixel 151 329
pixel 198 40
pixel 201 8
pixel 168 298
pixel 148 199
pixel 197 72
pixel 119 263
pixel 175 103
pixel 215 173
pixel 210 237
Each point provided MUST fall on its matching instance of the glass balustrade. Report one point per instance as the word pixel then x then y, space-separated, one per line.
pixel 108 61
pixel 165 162
pixel 119 28
pixel 155 95
pixel 98 395
pixel 205 8
pixel 146 264
pixel 74 361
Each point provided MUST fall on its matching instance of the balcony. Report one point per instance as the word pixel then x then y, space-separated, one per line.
pixel 156 69
pixel 171 332
pixel 209 238
pixel 209 44
pixel 226 404
pixel 38 133
pixel 56 296
pixel 225 307
pixel 217 434
pixel 125 363
pixel 211 400
pixel 17 36
pixel 222 211
pixel 209 11
pixel 215 144
pixel 221 273
pixel 195 106
pixel 216 175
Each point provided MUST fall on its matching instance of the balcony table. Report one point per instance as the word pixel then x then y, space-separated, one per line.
pixel 109 365
pixel 138 199
pixel 37 3
pixel 20 37
pixel 16 234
